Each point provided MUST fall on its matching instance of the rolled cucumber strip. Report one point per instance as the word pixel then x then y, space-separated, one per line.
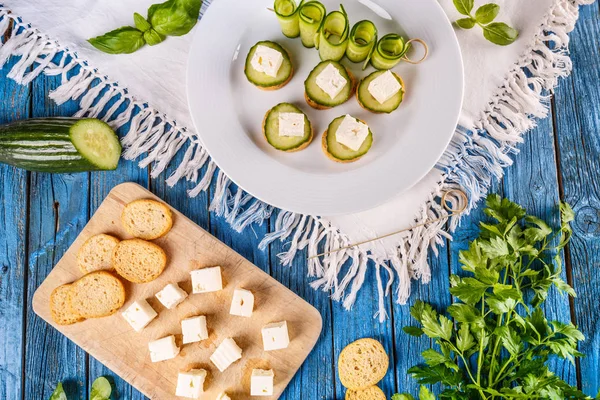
pixel 333 37
pixel 362 41
pixel 389 51
pixel 311 16
pixel 287 14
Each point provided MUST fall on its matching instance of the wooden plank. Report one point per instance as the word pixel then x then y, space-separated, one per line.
pixel 577 126
pixel 58 212
pixel 188 247
pixel 533 183
pixel 316 377
pixel 13 242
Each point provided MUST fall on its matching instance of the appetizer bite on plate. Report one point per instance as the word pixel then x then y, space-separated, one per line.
pixel 381 92
pixel 287 128
pixel 347 139
pixel 328 85
pixel 268 66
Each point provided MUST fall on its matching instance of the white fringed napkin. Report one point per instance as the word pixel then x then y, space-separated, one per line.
pixel 504 91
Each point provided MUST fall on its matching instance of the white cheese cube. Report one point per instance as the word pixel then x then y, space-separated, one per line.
pixel 194 329
pixel 267 60
pixel 191 384
pixel 242 303
pixel 331 81
pixel 261 382
pixel 291 124
pixel 223 396
pixel 384 87
pixel 206 280
pixel 275 336
pixel 163 349
pixel 226 354
pixel 139 314
pixel 351 133
pixel 171 295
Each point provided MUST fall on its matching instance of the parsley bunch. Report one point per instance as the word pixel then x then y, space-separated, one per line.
pixel 495 341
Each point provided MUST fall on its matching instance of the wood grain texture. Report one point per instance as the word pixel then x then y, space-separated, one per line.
pixel 577 102
pixel 188 247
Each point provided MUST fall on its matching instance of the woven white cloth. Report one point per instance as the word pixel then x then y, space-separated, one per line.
pixel 501 101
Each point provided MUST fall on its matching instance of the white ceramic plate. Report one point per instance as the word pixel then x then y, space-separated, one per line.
pixel 228 111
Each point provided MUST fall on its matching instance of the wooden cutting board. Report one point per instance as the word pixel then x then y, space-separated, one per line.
pixel 114 343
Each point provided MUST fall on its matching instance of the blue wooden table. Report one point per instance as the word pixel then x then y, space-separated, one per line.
pixel 42 214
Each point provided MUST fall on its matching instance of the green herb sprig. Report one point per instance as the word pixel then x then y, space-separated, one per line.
pixel 494 341
pixel 496 32
pixel 171 18
pixel 101 390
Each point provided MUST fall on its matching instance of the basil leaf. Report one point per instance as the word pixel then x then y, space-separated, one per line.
pixel 499 33
pixel 174 17
pixel 124 40
pixel 465 23
pixel 59 393
pixel 152 37
pixel 464 6
pixel 101 389
pixel 487 13
pixel 141 23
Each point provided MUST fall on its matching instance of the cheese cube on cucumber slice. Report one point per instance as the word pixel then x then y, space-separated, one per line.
pixel 369 102
pixel 277 138
pixel 263 80
pixel 339 152
pixel 318 98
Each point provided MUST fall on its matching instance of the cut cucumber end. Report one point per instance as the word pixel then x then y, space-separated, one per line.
pixel 286 143
pixel 368 102
pixel 96 142
pixel 317 98
pixel 336 151
pixel 264 81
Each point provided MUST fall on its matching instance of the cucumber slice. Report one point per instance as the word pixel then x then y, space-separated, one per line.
pixel 287 14
pixel 263 80
pixel 317 98
pixel 96 142
pixel 363 39
pixel 389 51
pixel 333 36
pixel 337 151
pixel 311 15
pixel 368 102
pixel 285 143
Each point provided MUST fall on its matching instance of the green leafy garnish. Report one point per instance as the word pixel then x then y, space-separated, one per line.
pixel 101 389
pixel 499 341
pixel 59 393
pixel 171 18
pixel 496 32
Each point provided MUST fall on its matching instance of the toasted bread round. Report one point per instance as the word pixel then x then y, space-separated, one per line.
pixel 362 364
pixel 318 106
pixel 330 156
pixel 147 219
pixel 96 253
pixel 360 103
pixel 370 393
pixel 302 147
pixel 60 309
pixel 97 294
pixel 139 261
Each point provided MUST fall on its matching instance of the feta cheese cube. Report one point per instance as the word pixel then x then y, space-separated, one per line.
pixel 194 329
pixel 139 314
pixel 275 336
pixel 267 60
pixel 242 303
pixel 384 87
pixel 291 124
pixel 163 349
pixel 206 280
pixel 171 295
pixel 261 382
pixel 223 396
pixel 351 133
pixel 331 81
pixel 191 384
pixel 226 354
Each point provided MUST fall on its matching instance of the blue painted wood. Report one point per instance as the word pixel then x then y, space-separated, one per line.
pixel 577 102
pixel 13 243
pixel 58 212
